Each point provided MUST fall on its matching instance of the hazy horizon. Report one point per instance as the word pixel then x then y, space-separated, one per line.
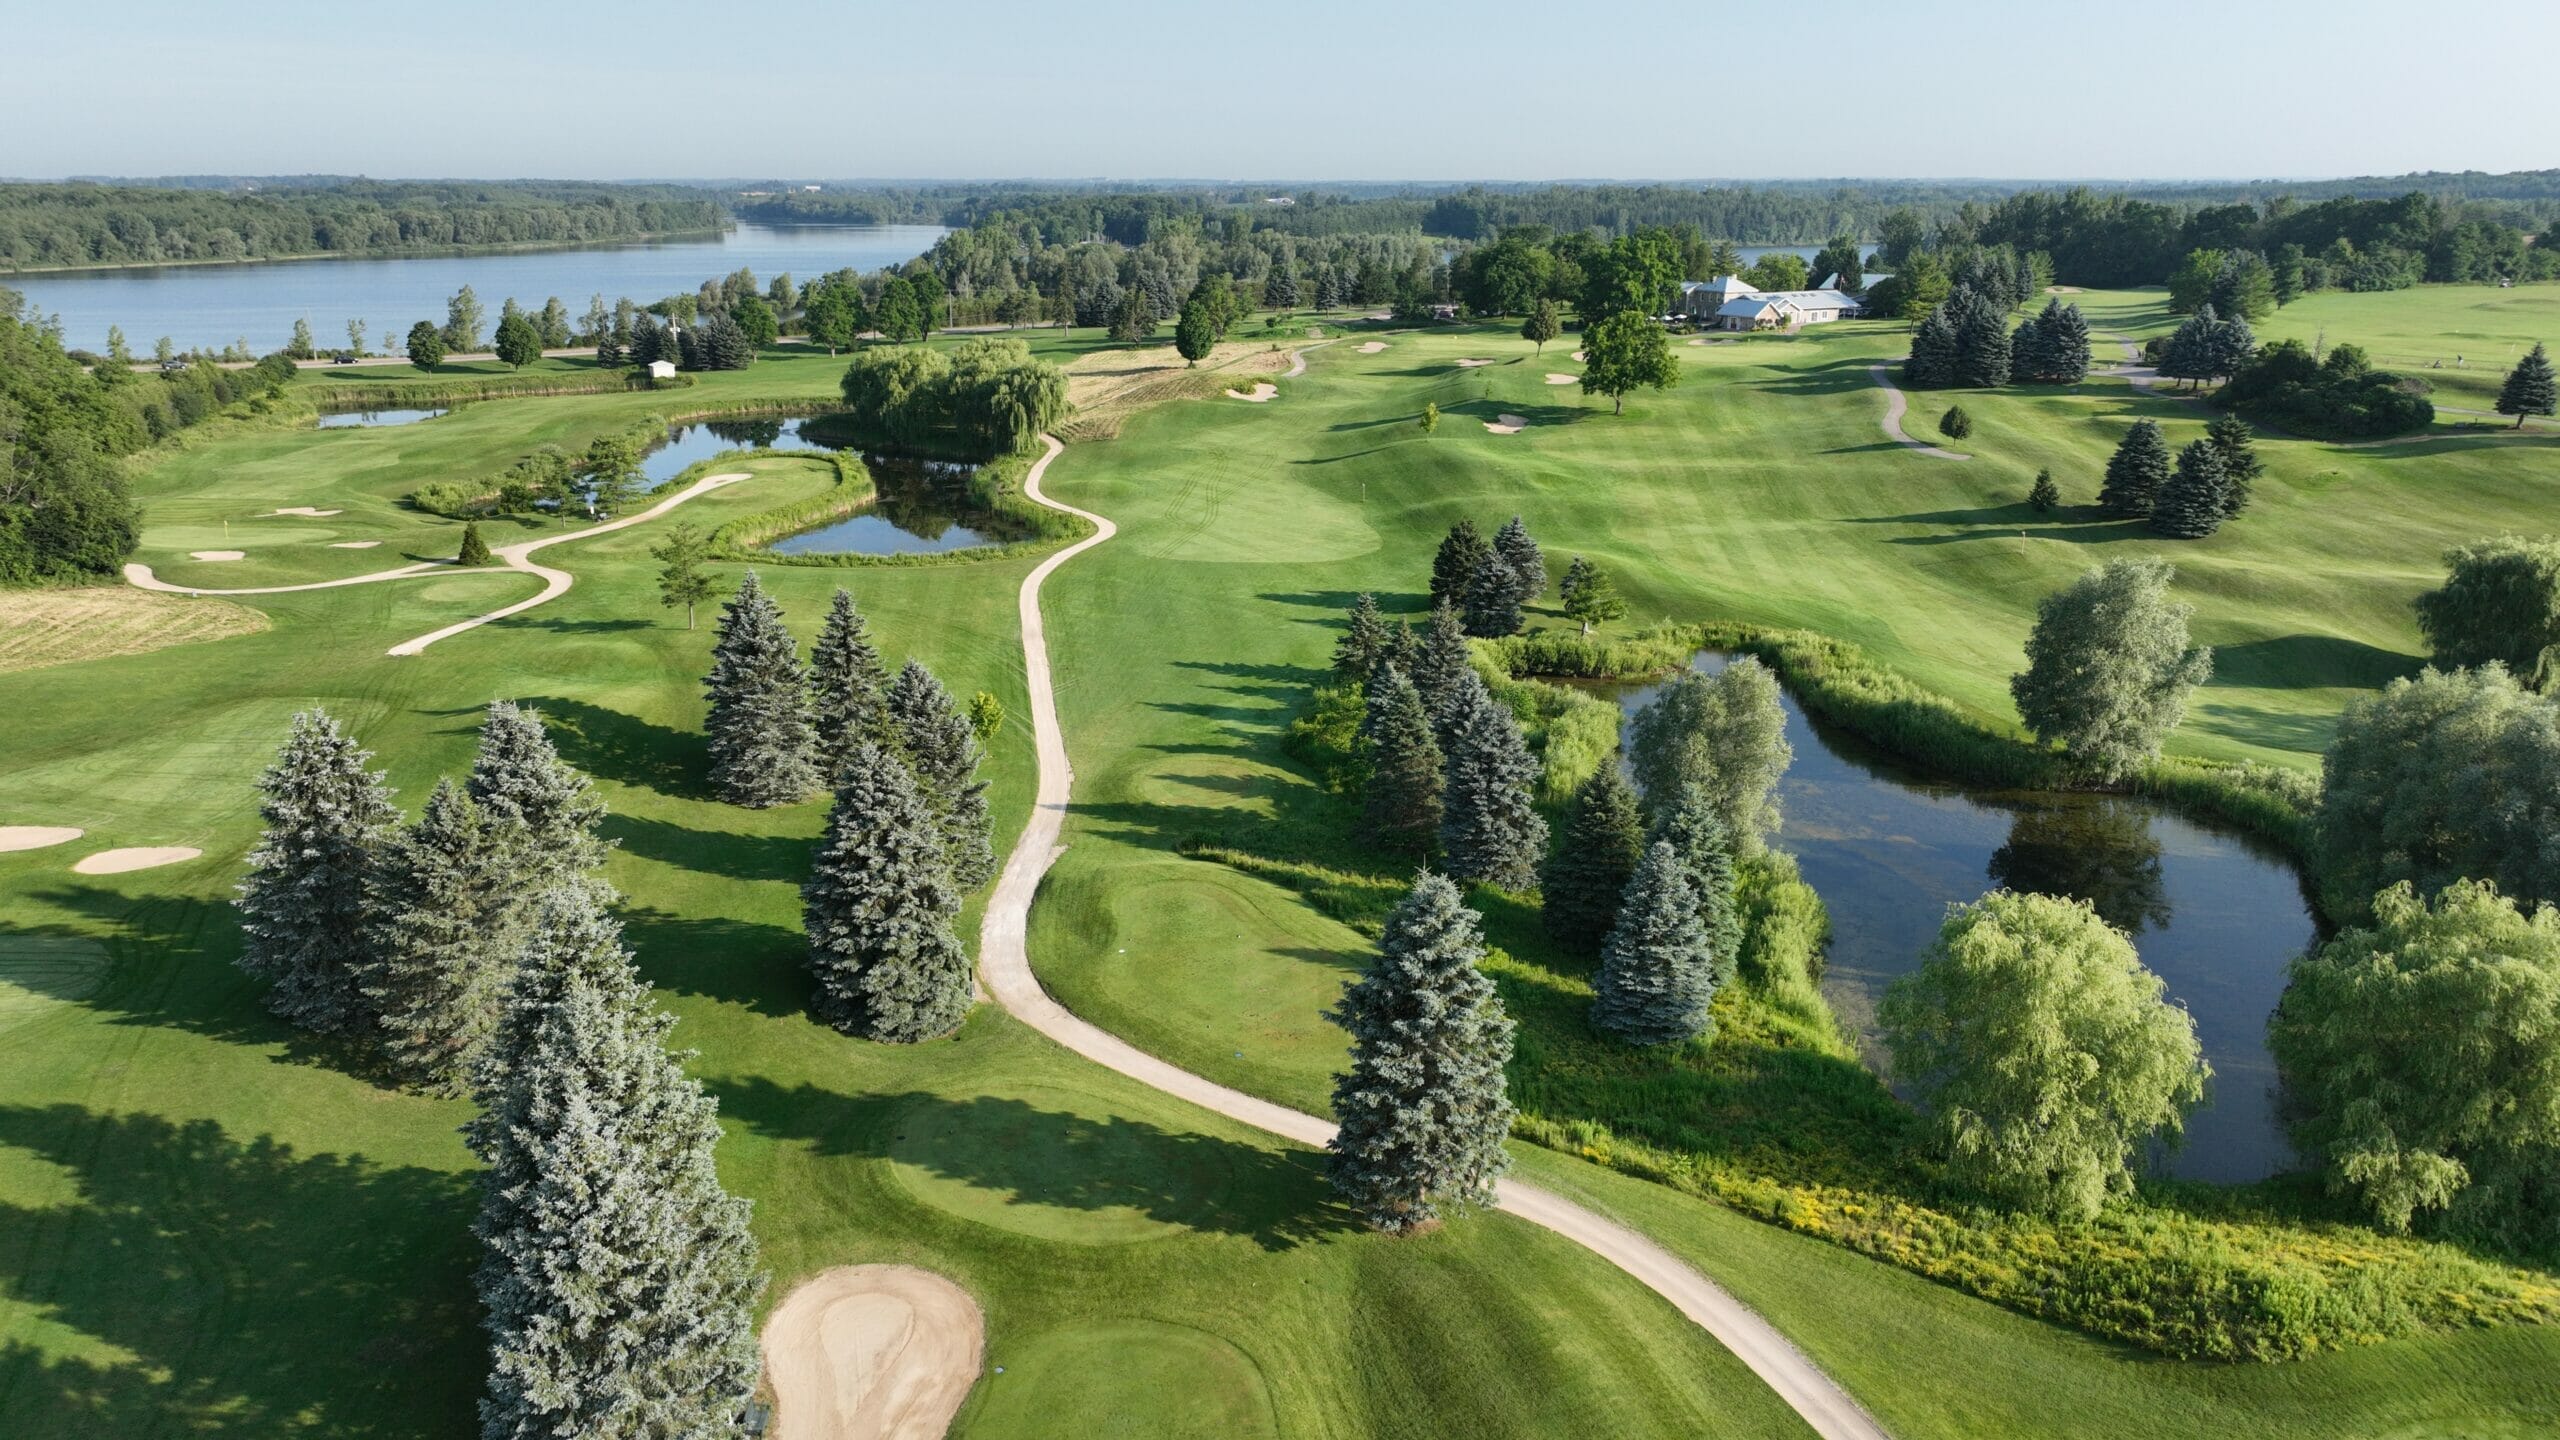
pixel 1352 93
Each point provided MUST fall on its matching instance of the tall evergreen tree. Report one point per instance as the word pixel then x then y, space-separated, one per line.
pixel 1403 649
pixel 762 751
pixel 1364 640
pixel 1934 350
pixel 1490 830
pixel 1493 599
pixel 618 1277
pixel 438 970
pixel 2530 388
pixel 1453 569
pixel 2044 495
pixel 1982 341
pixel 1442 670
pixel 1695 831
pixel 1424 1107
pixel 878 907
pixel 1657 977
pixel 2135 472
pixel 2191 504
pixel 1400 801
pixel 2241 467
pixel 934 738
pixel 1587 874
pixel 541 812
pixel 1520 551
pixel 2053 347
pixel 302 905
pixel 849 700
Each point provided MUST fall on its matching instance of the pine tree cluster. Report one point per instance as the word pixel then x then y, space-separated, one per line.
pixel 1586 876
pixel 1657 974
pixel 2052 347
pixel 1490 829
pixel 302 905
pixel 934 739
pixel 2192 504
pixel 2241 467
pixel 849 700
pixel 2136 472
pixel 1964 341
pixel 1401 796
pixel 878 908
pixel 2207 347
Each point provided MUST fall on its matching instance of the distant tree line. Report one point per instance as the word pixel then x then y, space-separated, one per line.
pixel 64 511
pixel 45 226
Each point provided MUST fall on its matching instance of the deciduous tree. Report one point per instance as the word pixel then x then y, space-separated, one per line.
pixel 2109 667
pixel 681 578
pixel 2500 602
pixel 518 343
pixel 1725 735
pixel 1424 1108
pixel 1624 352
pixel 1590 596
pixel 1545 323
pixel 2419 1056
pixel 426 346
pixel 2045 1056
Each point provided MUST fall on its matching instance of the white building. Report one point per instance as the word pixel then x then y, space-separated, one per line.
pixel 662 369
pixel 1729 303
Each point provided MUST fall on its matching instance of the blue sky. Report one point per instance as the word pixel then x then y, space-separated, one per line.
pixel 1494 89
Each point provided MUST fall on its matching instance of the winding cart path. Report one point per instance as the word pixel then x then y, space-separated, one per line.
pixel 1005 969
pixel 1896 404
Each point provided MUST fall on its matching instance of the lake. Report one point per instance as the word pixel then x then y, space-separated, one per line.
pixel 2214 916
pixel 213 305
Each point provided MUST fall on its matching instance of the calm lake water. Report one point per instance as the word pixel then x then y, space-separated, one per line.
pixel 212 305
pixel 2216 917
pixel 924 505
pixel 371 419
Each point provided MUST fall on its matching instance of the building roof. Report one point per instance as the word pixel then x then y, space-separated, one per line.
pixel 1723 287
pixel 1753 306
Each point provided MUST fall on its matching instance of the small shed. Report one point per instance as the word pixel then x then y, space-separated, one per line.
pixel 662 369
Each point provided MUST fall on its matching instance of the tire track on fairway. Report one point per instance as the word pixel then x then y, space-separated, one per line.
pixel 517 558
pixel 1895 404
pixel 1004 965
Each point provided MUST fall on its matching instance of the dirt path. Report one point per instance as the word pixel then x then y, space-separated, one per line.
pixel 1005 969
pixel 1895 404
pixel 516 557
pixel 872 1352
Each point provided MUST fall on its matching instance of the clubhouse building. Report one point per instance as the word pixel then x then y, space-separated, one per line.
pixel 1730 304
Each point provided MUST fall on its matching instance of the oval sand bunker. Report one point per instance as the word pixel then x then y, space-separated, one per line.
pixel 116 862
pixel 1558 377
pixel 217 554
pixel 872 1352
pixel 353 544
pixel 304 510
pixel 1507 423
pixel 36 837
pixel 1260 394
pixel 1372 347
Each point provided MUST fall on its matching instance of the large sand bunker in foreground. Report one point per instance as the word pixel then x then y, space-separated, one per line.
pixel 872 1352
pixel 36 837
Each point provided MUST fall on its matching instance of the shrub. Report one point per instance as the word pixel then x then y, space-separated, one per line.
pixel 1955 424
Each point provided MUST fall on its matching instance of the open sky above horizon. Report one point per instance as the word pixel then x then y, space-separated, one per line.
pixel 1502 90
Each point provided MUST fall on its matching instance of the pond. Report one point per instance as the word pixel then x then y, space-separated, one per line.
pixel 924 506
pixel 2215 916
pixel 354 419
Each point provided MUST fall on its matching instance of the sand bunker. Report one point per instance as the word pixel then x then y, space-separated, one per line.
pixel 217 554
pixel 1372 347
pixel 1471 364
pixel 36 837
pixel 1581 359
pixel 116 862
pixel 1259 395
pixel 1507 423
pixel 872 1352
pixel 354 544
pixel 1558 377
pixel 304 510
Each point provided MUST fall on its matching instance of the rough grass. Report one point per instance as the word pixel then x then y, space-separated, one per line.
pixel 1107 386
pixel 57 627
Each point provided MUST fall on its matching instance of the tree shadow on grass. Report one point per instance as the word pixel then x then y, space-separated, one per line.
pixel 580 627
pixel 1291 676
pixel 1832 378
pixel 2288 662
pixel 1015 1154
pixel 735 962
pixel 712 852
pixel 258 1290
pixel 626 749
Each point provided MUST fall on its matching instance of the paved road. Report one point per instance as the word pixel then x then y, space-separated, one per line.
pixel 516 557
pixel 1005 969
pixel 1895 403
